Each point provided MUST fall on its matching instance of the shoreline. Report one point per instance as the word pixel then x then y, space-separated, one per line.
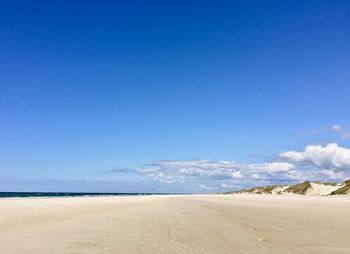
pixel 272 196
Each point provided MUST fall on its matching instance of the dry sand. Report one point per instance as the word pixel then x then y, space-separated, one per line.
pixel 176 224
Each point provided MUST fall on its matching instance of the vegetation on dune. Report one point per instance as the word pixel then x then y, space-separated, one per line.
pixel 266 189
pixel 259 190
pixel 300 188
pixel 327 183
pixel 343 190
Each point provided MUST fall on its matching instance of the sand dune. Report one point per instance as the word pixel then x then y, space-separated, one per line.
pixel 305 188
pixel 176 224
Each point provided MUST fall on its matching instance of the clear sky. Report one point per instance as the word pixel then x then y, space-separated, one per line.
pixel 180 96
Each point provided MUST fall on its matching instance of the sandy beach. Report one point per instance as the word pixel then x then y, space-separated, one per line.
pixel 175 224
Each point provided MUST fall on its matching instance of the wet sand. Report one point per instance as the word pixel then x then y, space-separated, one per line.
pixel 176 224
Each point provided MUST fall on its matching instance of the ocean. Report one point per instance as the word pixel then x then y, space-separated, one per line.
pixel 66 194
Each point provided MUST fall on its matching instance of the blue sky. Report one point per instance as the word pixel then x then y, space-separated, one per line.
pixel 102 96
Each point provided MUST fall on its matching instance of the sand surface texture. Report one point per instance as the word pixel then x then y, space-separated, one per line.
pixel 176 224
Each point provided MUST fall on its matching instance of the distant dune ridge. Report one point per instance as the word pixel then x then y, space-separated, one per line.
pixel 305 188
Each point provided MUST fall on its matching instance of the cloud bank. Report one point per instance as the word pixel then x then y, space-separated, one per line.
pixel 316 162
pixel 330 157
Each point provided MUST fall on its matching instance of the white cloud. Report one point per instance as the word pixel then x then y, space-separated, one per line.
pixel 336 127
pixel 310 133
pixel 227 186
pixel 163 177
pixel 147 170
pixel 345 135
pixel 316 162
pixel 220 169
pixel 343 132
pixel 215 173
pixel 236 174
pixel 330 156
pixel 273 167
pixel 332 175
pixel 255 176
pixel 296 175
